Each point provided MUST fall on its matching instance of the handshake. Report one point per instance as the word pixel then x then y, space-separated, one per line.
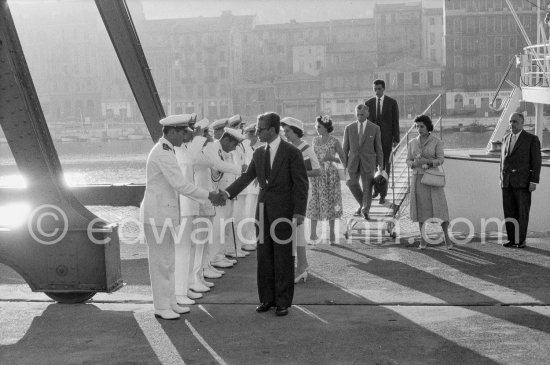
pixel 217 198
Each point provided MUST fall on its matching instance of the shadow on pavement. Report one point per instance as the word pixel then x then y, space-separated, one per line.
pixel 81 334
pixel 446 290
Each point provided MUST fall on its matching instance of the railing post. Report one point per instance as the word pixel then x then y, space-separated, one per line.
pixel 440 116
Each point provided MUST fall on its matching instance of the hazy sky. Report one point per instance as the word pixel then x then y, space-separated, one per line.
pixel 271 11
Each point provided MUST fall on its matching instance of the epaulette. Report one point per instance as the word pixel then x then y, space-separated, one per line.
pixel 166 147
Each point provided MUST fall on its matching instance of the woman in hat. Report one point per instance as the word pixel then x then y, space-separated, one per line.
pixel 294 131
pixel 326 195
pixel 428 203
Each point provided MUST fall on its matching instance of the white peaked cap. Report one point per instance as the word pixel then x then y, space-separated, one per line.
pixel 203 123
pixel 293 122
pixel 217 124
pixel 234 121
pixel 234 133
pixel 178 120
pixel 250 128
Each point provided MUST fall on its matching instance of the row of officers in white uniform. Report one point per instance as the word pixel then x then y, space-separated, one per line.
pixel 187 225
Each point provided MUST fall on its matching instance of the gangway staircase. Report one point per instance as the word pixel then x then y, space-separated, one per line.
pixel 384 217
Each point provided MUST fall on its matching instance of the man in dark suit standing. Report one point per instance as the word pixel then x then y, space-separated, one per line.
pixel 520 166
pixel 385 113
pixel 281 173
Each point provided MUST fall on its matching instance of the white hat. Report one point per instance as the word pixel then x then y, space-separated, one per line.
pixel 234 133
pixel 293 122
pixel 250 128
pixel 217 124
pixel 178 120
pixel 234 121
pixel 203 123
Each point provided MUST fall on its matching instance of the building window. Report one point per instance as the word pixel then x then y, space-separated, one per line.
pixel 430 78
pixel 432 55
pixel 432 21
pixel 458 80
pixel 340 107
pixel 484 79
pixel 415 78
pixel 498 43
pixel 458 61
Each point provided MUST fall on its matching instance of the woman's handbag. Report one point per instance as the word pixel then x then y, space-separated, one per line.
pixel 434 177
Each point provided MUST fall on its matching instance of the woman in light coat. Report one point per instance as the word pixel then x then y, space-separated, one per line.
pixel 294 131
pixel 427 202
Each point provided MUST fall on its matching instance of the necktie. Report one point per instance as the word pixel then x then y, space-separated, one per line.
pixel 360 131
pixel 378 111
pixel 512 142
pixel 267 162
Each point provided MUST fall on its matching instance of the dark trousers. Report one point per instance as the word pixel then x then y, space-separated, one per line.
pixel 516 203
pixel 275 270
pixel 363 196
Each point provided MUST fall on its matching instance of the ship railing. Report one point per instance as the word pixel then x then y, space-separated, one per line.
pixel 535 63
pixel 400 172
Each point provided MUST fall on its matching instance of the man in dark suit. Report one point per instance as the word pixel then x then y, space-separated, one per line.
pixel 520 166
pixel 281 173
pixel 384 112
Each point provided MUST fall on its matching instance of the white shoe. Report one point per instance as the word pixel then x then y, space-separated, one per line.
pixel 199 288
pixel 239 254
pixel 193 295
pixel 166 314
pixel 221 263
pixel 209 274
pixel 180 310
pixel 207 283
pixel 184 300
pixel 216 270
pixel 231 261
pixel 249 247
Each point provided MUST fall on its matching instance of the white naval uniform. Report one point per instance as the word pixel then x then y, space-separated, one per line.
pixel 239 203
pixel 250 195
pixel 186 250
pixel 210 164
pixel 164 183
pixel 223 238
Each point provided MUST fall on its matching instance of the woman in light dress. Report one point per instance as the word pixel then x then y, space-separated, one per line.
pixel 294 131
pixel 427 202
pixel 326 195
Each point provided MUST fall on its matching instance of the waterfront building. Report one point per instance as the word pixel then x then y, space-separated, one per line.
pixel 481 38
pixel 398 31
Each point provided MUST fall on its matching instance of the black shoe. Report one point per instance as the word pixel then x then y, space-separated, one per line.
pixel 522 244
pixel 366 215
pixel 374 195
pixel 358 212
pixel 264 307
pixel 281 311
pixel 382 200
pixel 509 244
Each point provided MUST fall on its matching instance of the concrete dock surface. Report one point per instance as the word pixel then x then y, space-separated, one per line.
pixel 365 301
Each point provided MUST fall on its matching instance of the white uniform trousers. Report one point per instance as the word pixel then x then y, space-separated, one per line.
pixel 199 248
pixel 161 266
pixel 184 257
pixel 221 238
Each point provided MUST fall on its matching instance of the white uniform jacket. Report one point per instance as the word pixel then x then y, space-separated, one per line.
pixel 164 183
pixel 188 156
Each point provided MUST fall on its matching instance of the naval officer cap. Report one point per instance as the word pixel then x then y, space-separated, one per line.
pixel 293 122
pixel 203 123
pixel 217 124
pixel 233 133
pixel 235 121
pixel 250 128
pixel 178 120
